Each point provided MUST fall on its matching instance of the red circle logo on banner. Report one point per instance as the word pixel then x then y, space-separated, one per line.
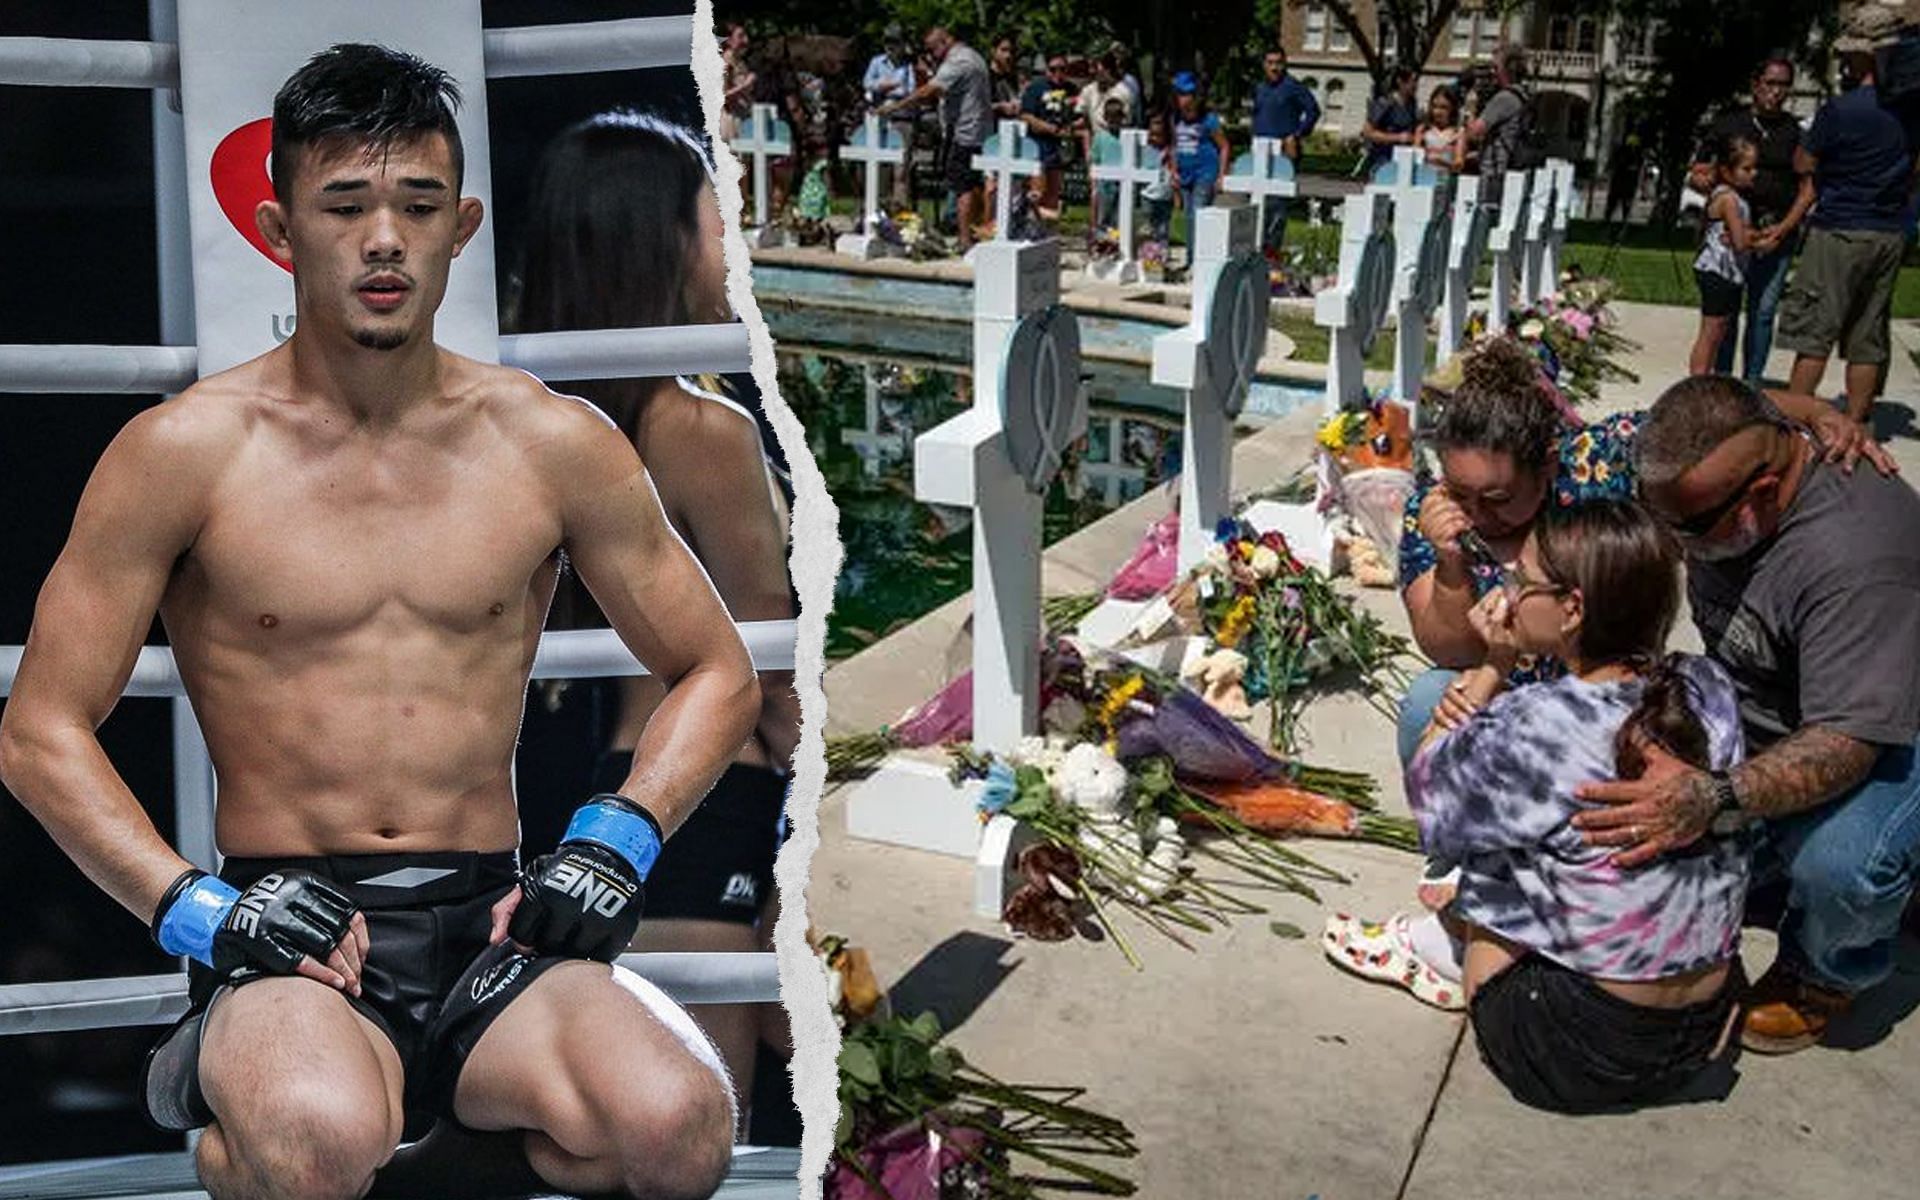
pixel 241 182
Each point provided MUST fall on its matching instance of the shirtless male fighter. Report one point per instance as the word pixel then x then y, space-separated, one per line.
pixel 353 540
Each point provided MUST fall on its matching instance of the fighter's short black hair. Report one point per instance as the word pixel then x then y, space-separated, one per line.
pixel 367 94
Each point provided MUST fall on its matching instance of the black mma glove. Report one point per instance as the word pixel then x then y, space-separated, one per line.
pixel 279 919
pixel 584 899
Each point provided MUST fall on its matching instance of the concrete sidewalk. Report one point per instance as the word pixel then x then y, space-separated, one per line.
pixel 1249 1067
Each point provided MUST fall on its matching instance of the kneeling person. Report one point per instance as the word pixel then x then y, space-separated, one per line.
pixel 353 541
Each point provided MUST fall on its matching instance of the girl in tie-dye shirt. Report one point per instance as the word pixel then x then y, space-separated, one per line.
pixel 1590 986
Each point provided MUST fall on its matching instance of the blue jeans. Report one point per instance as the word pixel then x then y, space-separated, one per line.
pixel 1850 868
pixel 1766 279
pixel 1106 205
pixel 1160 222
pixel 1416 711
pixel 1197 194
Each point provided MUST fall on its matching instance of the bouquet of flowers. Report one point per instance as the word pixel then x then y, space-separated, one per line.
pixel 1573 333
pixel 920 1122
pixel 1110 836
pixel 1103 243
pixel 1364 466
pixel 1254 596
pixel 1153 259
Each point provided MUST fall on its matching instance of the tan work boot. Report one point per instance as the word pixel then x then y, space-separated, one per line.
pixel 1786 1013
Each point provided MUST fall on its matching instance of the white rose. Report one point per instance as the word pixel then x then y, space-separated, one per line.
pixel 1265 562
pixel 1532 329
pixel 1092 779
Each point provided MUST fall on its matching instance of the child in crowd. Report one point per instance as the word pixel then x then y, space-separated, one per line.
pixel 1160 193
pixel 1720 270
pixel 1439 136
pixel 1106 194
pixel 1199 150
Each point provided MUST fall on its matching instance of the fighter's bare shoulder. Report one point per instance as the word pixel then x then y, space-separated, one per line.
pixel 189 439
pixel 565 438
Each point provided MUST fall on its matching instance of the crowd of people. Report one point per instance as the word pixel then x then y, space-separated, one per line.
pixel 1805 229
pixel 944 98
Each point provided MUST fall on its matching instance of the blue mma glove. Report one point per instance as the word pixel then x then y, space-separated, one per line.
pixel 584 899
pixel 280 919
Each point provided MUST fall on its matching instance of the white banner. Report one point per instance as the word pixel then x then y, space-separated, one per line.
pixel 234 55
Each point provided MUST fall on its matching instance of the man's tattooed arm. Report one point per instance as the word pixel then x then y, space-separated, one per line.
pixel 1803 770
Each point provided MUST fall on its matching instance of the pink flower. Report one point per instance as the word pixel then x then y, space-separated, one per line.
pixel 910 1163
pixel 1580 323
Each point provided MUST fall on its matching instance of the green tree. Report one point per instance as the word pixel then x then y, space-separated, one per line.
pixel 1417 27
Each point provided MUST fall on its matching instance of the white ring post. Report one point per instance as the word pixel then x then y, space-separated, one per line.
pixel 565 354
pixel 1507 240
pixel 765 138
pixel 1230 299
pixel 875 144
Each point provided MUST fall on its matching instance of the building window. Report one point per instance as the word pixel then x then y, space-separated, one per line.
pixel 1461 45
pixel 1491 25
pixel 1338 38
pixel 1336 102
pixel 1559 32
pixel 1636 39
pixel 1386 40
pixel 1586 37
pixel 1315 37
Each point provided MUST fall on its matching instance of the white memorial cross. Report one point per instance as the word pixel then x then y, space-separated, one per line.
pixel 997 458
pixel 766 137
pixel 1466 246
pixel 1505 241
pixel 1355 307
pixel 1128 161
pixel 1263 171
pixel 1421 219
pixel 1540 201
pixel 874 145
pixel 1563 194
pixel 1007 154
pixel 1213 359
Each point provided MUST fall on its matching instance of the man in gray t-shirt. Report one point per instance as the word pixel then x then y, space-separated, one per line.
pixel 1503 126
pixel 965 90
pixel 1804 578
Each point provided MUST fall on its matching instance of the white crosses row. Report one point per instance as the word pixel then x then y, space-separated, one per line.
pixel 1414 243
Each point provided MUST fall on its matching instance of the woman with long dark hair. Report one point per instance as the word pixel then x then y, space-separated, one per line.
pixel 1590 986
pixel 624 231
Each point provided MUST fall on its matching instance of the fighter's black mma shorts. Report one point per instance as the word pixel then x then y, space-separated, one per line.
pixel 430 983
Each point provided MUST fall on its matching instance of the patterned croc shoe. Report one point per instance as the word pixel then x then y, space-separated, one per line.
pixel 1384 953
